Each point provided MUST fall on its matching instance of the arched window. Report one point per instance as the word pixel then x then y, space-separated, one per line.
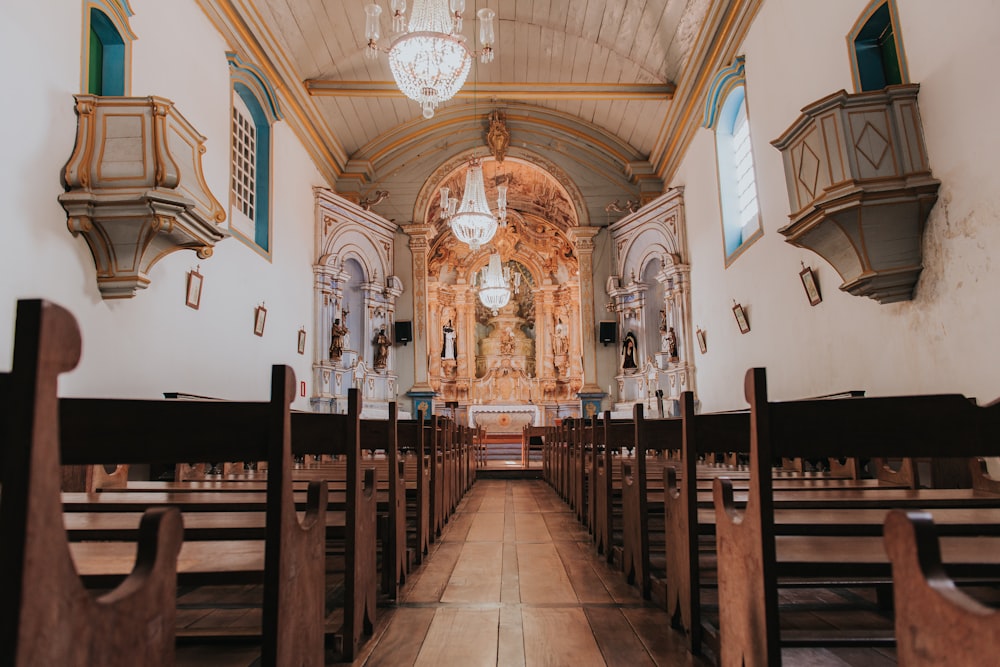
pixel 877 48
pixel 254 109
pixel 726 113
pixel 107 48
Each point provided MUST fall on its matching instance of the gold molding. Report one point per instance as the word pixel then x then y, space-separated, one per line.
pixel 718 43
pixel 244 31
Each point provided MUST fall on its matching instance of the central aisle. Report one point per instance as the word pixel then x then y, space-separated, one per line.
pixel 515 580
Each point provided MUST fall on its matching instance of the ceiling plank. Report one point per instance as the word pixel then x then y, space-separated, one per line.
pixel 519 90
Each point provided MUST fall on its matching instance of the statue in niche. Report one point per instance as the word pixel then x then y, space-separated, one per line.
pixel 448 341
pixel 671 344
pixel 381 349
pixel 338 334
pixel 628 352
pixel 560 343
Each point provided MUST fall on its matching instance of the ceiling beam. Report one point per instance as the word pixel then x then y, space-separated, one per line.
pixel 518 91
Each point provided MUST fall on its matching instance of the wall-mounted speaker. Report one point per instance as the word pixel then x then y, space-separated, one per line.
pixel 609 332
pixel 403 332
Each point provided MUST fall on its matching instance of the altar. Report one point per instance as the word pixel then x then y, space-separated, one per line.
pixel 504 418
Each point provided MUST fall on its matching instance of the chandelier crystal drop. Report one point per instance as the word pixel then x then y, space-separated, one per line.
pixel 495 284
pixel 472 222
pixel 429 59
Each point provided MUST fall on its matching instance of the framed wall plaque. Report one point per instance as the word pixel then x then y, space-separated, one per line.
pixel 741 318
pixel 302 341
pixel 700 335
pixel 194 282
pixel 809 283
pixel 259 317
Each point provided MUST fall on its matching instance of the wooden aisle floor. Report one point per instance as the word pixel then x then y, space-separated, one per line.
pixel 514 580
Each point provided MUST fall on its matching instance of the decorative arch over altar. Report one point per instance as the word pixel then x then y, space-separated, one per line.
pixel 531 353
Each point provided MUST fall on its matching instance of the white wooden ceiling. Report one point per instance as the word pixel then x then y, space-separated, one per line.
pixel 619 42
pixel 598 71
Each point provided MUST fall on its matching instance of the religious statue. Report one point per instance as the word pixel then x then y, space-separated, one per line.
pixel 664 343
pixel 507 341
pixel 498 137
pixel 448 341
pixel 381 350
pixel 672 344
pixel 337 333
pixel 559 340
pixel 628 352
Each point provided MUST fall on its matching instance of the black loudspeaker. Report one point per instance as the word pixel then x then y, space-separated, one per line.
pixel 404 332
pixel 609 332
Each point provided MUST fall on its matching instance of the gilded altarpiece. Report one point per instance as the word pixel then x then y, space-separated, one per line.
pixel 524 364
pixel 651 299
pixel 529 352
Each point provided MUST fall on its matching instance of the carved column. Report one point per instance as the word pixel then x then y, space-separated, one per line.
pixel 583 239
pixel 544 312
pixel 433 356
pixel 420 236
pixel 465 340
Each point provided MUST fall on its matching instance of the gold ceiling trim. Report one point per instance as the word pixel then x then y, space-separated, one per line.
pixel 719 40
pixel 238 25
pixel 546 90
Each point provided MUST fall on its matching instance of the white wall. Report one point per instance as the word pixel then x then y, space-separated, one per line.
pixel 942 341
pixel 152 343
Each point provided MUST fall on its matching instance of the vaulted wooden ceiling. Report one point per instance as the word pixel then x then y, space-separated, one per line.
pixel 602 91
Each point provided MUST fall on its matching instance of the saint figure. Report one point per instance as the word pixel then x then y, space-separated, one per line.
pixel 448 341
pixel 559 343
pixel 628 351
pixel 337 333
pixel 381 349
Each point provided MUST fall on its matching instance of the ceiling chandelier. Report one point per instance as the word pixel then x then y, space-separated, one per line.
pixel 429 58
pixel 494 284
pixel 472 222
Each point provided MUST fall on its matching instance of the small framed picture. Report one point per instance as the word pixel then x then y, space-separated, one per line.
pixel 259 316
pixel 194 281
pixel 700 335
pixel 808 277
pixel 302 341
pixel 741 318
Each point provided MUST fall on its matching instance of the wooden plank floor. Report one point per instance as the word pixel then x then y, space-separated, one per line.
pixel 514 580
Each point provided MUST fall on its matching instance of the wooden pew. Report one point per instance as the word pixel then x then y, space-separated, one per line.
pixel 378 435
pixel 292 559
pixel 936 623
pixel 532 439
pixel 751 559
pixel 382 434
pixel 412 434
pixel 617 435
pixel 46 615
pixel 796 497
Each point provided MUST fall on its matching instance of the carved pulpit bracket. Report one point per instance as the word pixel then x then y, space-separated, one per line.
pixel 860 188
pixel 135 189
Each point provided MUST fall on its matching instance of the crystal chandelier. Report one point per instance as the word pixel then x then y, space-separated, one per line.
pixel 429 58
pixel 472 222
pixel 494 284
